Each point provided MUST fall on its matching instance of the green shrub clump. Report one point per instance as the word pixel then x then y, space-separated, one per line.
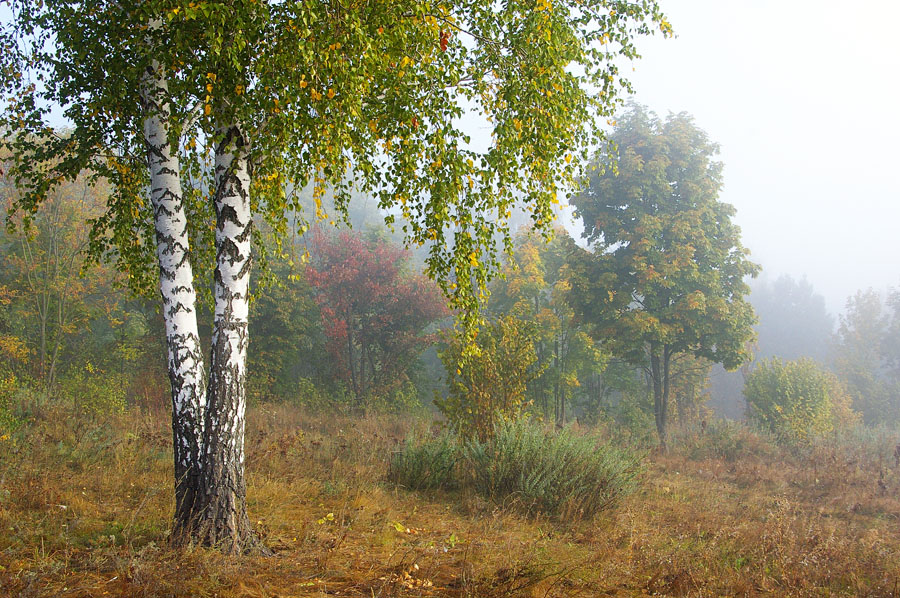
pixel 94 392
pixel 797 400
pixel 561 473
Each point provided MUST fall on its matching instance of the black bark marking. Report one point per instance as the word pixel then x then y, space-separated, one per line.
pixel 216 514
pixel 182 348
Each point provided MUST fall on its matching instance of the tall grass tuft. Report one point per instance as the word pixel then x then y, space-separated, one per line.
pixel 727 440
pixel 426 464
pixel 561 473
pixel 557 473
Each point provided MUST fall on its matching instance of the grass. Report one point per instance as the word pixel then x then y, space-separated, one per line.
pixel 85 508
pixel 427 463
pixel 563 474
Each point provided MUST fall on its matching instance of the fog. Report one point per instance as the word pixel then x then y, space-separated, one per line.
pixel 802 96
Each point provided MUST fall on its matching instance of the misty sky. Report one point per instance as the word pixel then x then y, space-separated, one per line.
pixel 803 96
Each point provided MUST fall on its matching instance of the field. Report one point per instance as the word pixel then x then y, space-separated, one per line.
pixel 85 508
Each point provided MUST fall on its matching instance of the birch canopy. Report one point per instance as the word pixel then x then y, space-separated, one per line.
pixel 204 115
pixel 335 93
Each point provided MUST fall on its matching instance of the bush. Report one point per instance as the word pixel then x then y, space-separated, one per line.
pixel 306 393
pixel 94 392
pixel 488 386
pixel 561 474
pixel 796 400
pixel 426 464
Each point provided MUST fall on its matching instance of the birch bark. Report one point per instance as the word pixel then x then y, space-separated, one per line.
pixel 176 285
pixel 223 514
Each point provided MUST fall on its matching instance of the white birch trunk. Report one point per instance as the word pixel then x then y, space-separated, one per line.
pixel 176 283
pixel 224 522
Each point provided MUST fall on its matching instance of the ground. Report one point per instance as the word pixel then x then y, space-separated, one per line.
pixel 85 508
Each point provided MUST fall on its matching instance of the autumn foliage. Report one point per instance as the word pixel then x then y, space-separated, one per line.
pixel 488 386
pixel 376 311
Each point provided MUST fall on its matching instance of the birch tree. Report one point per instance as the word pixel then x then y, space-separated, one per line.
pixel 219 109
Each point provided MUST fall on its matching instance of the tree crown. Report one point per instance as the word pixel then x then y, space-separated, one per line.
pixel 667 268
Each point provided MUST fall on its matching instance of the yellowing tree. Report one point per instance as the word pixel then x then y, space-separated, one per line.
pixel 534 289
pixel 207 114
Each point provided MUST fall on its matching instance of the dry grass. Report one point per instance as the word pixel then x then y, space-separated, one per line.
pixel 84 511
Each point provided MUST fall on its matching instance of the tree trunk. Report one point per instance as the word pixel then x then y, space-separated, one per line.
pixel 221 510
pixel 667 358
pixel 658 371
pixel 176 285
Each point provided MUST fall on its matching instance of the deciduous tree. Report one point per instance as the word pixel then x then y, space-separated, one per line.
pixel 376 311
pixel 534 289
pixel 43 265
pixel 491 388
pixel 864 357
pixel 666 273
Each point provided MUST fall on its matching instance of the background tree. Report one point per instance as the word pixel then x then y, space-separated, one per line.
pixel 533 289
pixel 288 353
pixel 690 388
pixel 793 320
pixel 863 358
pixel 890 344
pixel 44 263
pixel 77 335
pixel 666 271
pixel 375 311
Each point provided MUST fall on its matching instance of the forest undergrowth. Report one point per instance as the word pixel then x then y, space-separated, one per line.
pixel 85 509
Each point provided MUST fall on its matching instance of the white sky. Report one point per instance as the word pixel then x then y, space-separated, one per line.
pixel 803 96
